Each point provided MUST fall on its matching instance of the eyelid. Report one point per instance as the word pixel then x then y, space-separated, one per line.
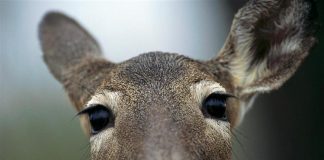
pixel 227 95
pixel 89 108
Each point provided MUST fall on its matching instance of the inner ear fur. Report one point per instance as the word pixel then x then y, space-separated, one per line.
pixel 73 56
pixel 267 42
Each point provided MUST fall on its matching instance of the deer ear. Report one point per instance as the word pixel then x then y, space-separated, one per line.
pixel 72 55
pixel 65 43
pixel 267 42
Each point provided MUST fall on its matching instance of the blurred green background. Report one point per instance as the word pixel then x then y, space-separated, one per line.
pixel 37 121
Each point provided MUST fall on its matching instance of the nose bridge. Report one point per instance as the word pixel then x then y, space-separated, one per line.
pixel 160 121
pixel 162 132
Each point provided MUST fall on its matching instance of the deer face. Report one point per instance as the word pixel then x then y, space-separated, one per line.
pixel 157 109
pixel 167 106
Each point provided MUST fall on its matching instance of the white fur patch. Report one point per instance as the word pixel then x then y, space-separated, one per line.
pixel 202 89
pixel 221 127
pixel 106 98
pixel 99 140
pixel 109 99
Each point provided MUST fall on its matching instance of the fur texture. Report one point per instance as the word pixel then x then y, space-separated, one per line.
pixel 156 97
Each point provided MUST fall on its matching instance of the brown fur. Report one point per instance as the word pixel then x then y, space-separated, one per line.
pixel 154 96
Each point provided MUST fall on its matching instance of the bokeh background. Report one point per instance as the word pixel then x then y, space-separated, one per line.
pixel 37 121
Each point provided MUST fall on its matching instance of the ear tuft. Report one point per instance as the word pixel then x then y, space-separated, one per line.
pixel 268 41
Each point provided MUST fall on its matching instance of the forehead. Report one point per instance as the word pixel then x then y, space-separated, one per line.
pixel 158 70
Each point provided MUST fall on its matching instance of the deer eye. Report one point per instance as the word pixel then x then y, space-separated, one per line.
pixel 99 116
pixel 214 106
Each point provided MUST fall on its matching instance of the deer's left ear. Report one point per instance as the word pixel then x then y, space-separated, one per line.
pixel 267 42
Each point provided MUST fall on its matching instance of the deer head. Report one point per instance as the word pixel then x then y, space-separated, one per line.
pixel 167 106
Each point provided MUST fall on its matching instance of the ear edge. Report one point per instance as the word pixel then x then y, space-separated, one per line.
pixel 57 18
pixel 65 43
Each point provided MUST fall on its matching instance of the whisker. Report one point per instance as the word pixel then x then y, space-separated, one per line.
pixel 236 157
pixel 236 135
pixel 85 149
pixel 240 133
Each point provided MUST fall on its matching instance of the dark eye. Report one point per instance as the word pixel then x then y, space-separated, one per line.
pixel 99 116
pixel 214 106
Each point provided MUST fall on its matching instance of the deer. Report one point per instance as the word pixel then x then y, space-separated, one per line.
pixel 168 106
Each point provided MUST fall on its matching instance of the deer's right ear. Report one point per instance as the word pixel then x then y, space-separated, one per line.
pixel 72 55
pixel 65 43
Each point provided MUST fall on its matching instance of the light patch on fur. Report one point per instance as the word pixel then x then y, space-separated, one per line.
pixel 109 99
pixel 99 140
pixel 176 153
pixel 243 75
pixel 261 89
pixel 106 98
pixel 202 89
pixel 222 127
pixel 290 45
